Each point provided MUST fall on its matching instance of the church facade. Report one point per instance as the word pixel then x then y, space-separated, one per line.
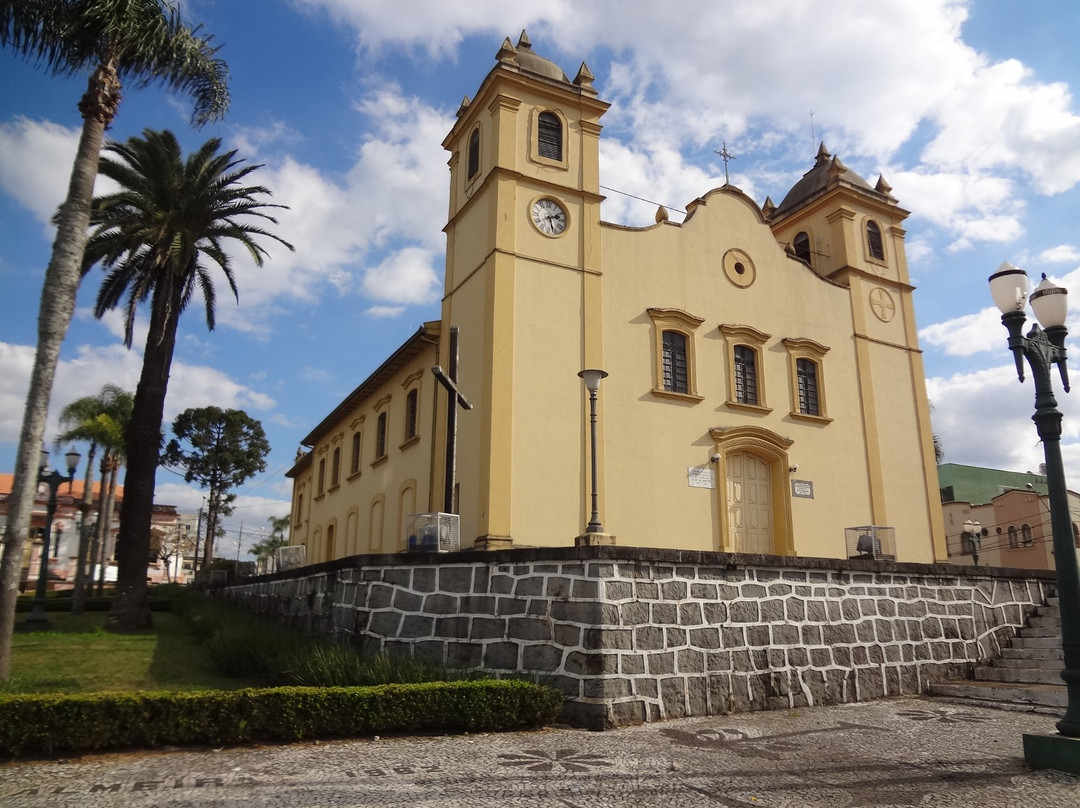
pixel 764 388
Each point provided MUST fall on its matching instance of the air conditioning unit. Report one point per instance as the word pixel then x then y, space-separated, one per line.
pixel 291 557
pixel 871 542
pixel 433 532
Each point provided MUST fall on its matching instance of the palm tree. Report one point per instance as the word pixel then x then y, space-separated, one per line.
pixel 265 549
pixel 152 237
pixel 99 420
pixel 137 41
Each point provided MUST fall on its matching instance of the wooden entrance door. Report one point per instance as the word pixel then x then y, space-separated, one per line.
pixel 749 503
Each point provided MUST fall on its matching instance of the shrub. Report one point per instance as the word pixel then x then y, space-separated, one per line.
pixel 56 723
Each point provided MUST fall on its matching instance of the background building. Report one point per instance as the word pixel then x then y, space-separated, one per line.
pixel 765 391
pixel 1013 512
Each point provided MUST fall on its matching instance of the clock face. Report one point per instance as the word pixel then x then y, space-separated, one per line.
pixel 549 217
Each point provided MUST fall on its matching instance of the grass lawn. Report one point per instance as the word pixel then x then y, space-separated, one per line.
pixel 77 655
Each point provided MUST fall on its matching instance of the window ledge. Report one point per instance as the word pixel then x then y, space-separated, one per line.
pixel 691 397
pixel 317 497
pixel 758 408
pixel 333 488
pixel 378 461
pixel 409 442
pixel 814 419
pixel 352 475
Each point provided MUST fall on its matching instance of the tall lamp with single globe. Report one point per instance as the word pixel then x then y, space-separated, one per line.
pixel 1043 348
pixel 54 479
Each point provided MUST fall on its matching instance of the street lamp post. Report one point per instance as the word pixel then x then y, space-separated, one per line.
pixel 54 479
pixel 592 378
pixel 973 534
pixel 1043 348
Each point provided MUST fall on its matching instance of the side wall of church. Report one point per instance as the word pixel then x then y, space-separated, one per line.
pixel 361 506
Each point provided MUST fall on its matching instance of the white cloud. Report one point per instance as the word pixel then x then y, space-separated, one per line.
pixel 1062 254
pixel 384 203
pixel 91 367
pixel 407 276
pixel 984 418
pixel 35 163
pixel 965 335
pixel 384 312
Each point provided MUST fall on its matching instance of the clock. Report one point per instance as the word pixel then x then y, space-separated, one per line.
pixel 549 217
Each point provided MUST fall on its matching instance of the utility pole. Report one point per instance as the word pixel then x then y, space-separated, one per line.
pixel 198 533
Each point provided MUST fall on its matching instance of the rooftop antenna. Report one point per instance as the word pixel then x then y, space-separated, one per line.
pixel 813 133
pixel 726 156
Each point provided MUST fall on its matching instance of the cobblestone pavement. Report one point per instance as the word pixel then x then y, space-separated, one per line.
pixel 900 752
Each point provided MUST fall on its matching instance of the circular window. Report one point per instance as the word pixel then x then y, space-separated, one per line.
pixel 738 268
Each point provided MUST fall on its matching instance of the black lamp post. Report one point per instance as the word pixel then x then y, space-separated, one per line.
pixel 592 379
pixel 53 479
pixel 973 534
pixel 1043 348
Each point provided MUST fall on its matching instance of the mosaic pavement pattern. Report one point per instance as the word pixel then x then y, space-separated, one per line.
pixel 901 752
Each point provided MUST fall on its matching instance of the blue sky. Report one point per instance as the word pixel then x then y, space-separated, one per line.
pixel 967 108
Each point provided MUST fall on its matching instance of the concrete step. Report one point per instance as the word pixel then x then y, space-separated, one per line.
pixel 1036 642
pixel 1012 696
pixel 1045 620
pixel 1033 653
pixel 1034 632
pixel 985 673
pixel 1023 664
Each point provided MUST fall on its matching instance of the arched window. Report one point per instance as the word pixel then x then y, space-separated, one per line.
pixel 335 469
pixel 676 370
pixel 474 154
pixel 1013 541
pixel 412 403
pixel 807 377
pixel 1025 535
pixel 874 243
pixel 746 386
pixel 329 547
pixel 322 477
pixel 354 461
pixel 549 134
pixel 801 245
pixel 380 436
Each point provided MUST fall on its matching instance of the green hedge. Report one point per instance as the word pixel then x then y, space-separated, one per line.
pixel 34 724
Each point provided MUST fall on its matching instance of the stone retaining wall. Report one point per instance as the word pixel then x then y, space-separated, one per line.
pixel 632 634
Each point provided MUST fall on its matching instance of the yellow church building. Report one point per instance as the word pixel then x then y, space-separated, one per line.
pixel 764 388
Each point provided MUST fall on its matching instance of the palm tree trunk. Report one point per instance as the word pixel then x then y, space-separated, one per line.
pixel 130 609
pixel 78 596
pixel 105 524
pixel 54 315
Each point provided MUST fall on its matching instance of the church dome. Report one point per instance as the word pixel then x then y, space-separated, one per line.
pixel 827 168
pixel 534 62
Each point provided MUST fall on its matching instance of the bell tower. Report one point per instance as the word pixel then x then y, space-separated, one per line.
pixel 850 232
pixel 522 279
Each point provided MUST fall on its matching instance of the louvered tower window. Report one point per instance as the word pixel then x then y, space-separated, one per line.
pixel 549 136
pixel 474 153
pixel 801 245
pixel 873 241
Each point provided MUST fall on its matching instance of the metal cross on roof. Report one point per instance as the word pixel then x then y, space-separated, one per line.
pixel 726 156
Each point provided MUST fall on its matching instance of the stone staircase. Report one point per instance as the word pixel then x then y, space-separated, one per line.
pixel 1027 676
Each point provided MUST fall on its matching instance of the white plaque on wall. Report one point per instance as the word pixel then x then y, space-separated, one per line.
pixel 697 477
pixel 802 488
